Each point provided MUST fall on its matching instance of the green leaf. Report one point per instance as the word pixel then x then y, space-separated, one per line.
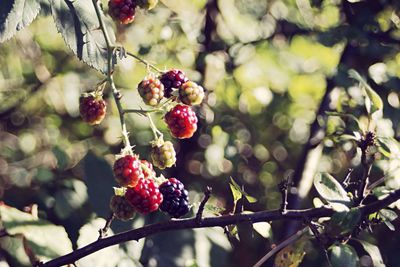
pixel 344 222
pixel 374 252
pixel 343 255
pixel 376 102
pixel 330 189
pixel 263 228
pixel 292 255
pixel 46 240
pixel 79 26
pixel 236 190
pixel 238 193
pixel 345 115
pixel 16 15
pixel 387 217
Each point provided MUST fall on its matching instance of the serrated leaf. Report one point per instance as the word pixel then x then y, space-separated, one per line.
pixel 343 255
pixel 374 252
pixel 16 15
pixel 80 28
pixel 46 240
pixel 330 189
pixel 376 101
pixel 263 228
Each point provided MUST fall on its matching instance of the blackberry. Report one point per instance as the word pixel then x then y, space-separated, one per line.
pixel 181 121
pixel 122 10
pixel 190 93
pixel 163 155
pixel 151 90
pixel 176 198
pixel 92 108
pixel 172 79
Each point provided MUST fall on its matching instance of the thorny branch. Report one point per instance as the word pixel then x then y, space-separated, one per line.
pixel 220 221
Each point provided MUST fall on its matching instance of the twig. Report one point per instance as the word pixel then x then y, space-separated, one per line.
pixel 115 91
pixel 144 62
pixel 283 188
pixel 321 242
pixel 103 231
pixel 283 244
pixel 220 221
pixel 199 214
pixel 346 182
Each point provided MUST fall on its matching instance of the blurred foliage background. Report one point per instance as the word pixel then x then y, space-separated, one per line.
pixel 268 66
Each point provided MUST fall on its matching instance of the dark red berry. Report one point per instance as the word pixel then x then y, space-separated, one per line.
pixel 145 197
pixel 151 90
pixel 190 93
pixel 181 121
pixel 92 108
pixel 121 208
pixel 122 10
pixel 172 79
pixel 128 170
pixel 147 169
pixel 176 198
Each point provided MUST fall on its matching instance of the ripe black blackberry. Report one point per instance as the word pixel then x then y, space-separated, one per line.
pixel 172 79
pixel 176 198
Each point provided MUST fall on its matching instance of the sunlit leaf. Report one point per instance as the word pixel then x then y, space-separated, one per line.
pixel 79 26
pixel 292 255
pixel 263 228
pixel 330 189
pixel 376 101
pixel 46 240
pixel 16 15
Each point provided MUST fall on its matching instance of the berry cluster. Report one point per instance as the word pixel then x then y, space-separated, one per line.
pixel 124 10
pixel 140 190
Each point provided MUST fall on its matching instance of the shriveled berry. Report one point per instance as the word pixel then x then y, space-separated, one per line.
pixel 92 108
pixel 121 208
pixel 147 169
pixel 163 155
pixel 181 121
pixel 122 10
pixel 128 170
pixel 147 4
pixel 176 198
pixel 151 90
pixel 172 79
pixel 190 93
pixel 145 197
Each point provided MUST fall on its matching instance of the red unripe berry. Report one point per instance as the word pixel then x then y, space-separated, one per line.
pixel 128 170
pixel 151 90
pixel 181 121
pixel 122 10
pixel 92 109
pixel 148 170
pixel 145 197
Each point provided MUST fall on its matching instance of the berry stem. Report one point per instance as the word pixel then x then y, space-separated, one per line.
pixel 157 134
pixel 143 112
pixel 110 78
pixel 149 65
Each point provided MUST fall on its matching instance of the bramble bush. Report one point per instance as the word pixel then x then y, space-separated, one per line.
pixel 269 111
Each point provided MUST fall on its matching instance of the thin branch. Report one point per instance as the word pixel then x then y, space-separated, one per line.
pixel 283 188
pixel 283 244
pixel 103 231
pixel 144 62
pixel 110 78
pixel 199 214
pixel 220 221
